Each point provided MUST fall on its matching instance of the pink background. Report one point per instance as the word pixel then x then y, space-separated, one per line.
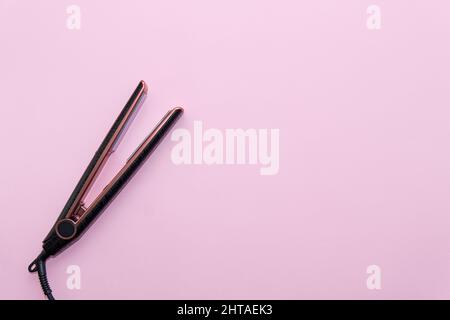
pixel 364 147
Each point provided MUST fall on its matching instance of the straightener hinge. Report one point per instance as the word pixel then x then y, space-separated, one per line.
pixel 79 212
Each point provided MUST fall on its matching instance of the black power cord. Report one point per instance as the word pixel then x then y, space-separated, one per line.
pixel 38 265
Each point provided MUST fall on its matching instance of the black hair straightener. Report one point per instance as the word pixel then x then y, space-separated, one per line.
pixel 75 218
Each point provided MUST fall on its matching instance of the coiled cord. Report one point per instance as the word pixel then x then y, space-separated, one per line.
pixel 38 265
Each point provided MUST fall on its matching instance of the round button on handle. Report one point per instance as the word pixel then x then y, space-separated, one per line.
pixel 66 229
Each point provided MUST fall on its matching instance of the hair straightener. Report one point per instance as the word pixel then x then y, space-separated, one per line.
pixel 75 218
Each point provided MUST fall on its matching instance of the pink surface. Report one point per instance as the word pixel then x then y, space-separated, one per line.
pixel 364 173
